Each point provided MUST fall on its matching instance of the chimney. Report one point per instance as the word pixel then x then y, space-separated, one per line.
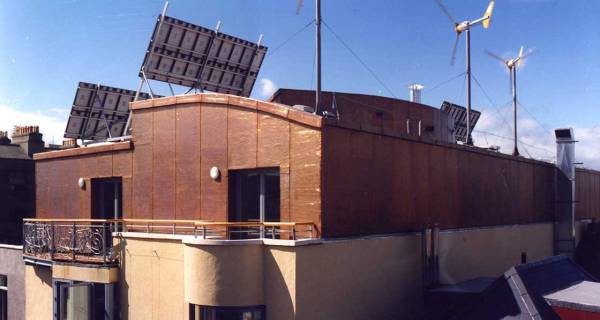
pixel 415 92
pixel 69 143
pixel 29 139
pixel 564 221
pixel 4 139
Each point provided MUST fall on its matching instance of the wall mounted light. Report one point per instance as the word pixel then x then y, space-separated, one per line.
pixel 215 173
pixel 81 183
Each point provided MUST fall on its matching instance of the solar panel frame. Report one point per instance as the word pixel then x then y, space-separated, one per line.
pixel 189 55
pixel 96 108
pixel 459 114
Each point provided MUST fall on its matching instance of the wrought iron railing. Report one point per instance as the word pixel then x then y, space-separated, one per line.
pixel 92 240
pixel 70 240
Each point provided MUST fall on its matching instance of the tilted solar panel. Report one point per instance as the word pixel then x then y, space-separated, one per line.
pixel 193 56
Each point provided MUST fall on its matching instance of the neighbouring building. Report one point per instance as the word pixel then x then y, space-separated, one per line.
pixel 17 201
pixel 223 207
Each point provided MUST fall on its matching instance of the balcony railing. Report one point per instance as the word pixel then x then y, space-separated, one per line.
pixel 85 241
pixel 94 241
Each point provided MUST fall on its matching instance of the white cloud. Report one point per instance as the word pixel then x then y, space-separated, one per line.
pixel 534 141
pixel 267 88
pixel 52 124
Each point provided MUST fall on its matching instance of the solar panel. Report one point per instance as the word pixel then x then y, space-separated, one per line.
pixel 193 56
pixel 98 110
pixel 459 114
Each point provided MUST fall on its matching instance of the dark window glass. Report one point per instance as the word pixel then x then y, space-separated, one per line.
pixel 227 313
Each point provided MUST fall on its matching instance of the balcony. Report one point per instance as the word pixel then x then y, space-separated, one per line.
pixel 95 241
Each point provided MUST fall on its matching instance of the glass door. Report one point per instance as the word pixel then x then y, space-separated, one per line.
pixel 254 196
pixel 74 301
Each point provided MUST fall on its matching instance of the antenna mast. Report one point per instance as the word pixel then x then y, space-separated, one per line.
pixel 318 54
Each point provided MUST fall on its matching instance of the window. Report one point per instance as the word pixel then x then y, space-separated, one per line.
pixel 254 196
pixel 3 297
pixel 226 313
pixel 107 198
pixel 83 300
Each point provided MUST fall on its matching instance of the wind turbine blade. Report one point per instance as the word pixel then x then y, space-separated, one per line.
pixel 528 53
pixel 524 56
pixel 493 55
pixel 520 56
pixel 488 15
pixel 453 57
pixel 299 6
pixel 445 10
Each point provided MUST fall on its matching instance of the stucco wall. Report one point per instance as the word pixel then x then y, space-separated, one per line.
pixel 469 253
pixel 11 265
pixel 38 290
pixel 151 280
pixel 375 277
pixel 224 275
pixel 372 278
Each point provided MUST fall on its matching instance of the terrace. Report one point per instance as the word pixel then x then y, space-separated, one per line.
pixel 98 241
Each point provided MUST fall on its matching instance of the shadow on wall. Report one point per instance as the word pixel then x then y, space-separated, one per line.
pixel 280 282
pixel 121 293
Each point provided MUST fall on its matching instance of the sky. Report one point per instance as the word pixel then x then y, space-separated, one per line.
pixel 47 47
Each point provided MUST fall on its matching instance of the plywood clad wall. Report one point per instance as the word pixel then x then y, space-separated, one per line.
pixel 210 135
pixel 166 175
pixel 214 142
pixel 187 150
pixel 142 175
pixel 587 193
pixel 379 184
pixel 57 192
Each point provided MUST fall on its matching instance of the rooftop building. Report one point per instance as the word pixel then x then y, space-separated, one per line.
pixel 223 207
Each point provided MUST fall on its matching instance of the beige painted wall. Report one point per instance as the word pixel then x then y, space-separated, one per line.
pixel 373 278
pixel 224 275
pixel 38 292
pixel 469 253
pixel 86 274
pixel 360 278
pixel 280 282
pixel 151 280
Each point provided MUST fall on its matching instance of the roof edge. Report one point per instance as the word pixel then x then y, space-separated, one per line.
pixel 101 148
pixel 276 109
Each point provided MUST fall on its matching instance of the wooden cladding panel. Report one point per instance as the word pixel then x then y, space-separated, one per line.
pixel 425 184
pixel 187 162
pixel 142 164
pixel 273 141
pixel 241 138
pixel 305 173
pixel 57 191
pixel 163 164
pixel 167 173
pixel 587 194
pixel 41 189
pixel 214 154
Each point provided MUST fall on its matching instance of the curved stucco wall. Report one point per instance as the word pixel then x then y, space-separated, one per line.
pixel 224 275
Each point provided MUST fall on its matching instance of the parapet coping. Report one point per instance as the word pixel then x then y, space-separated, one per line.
pixel 276 109
pixel 92 149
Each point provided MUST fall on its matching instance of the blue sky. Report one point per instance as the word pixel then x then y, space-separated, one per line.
pixel 46 47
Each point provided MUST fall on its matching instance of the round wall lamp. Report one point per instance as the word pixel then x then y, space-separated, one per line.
pixel 215 173
pixel 81 183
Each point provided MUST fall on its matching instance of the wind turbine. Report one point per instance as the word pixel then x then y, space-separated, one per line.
pixel 512 65
pixel 459 28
